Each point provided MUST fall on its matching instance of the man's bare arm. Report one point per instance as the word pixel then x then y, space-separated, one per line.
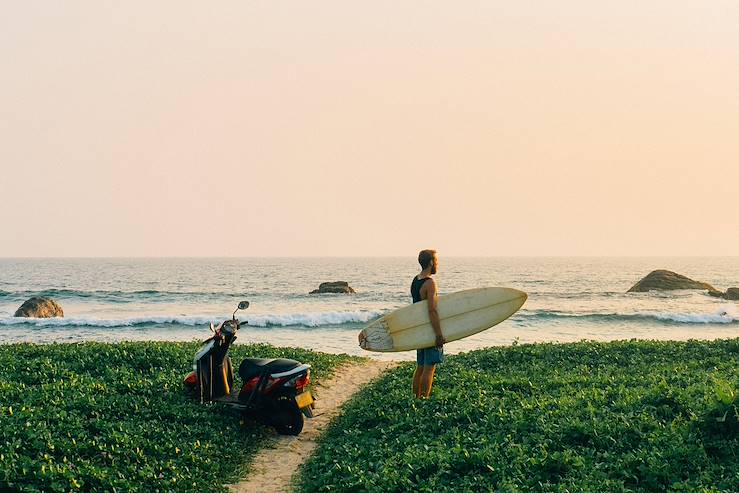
pixel 430 287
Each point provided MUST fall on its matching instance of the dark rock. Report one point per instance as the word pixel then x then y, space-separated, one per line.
pixel 39 307
pixel 333 287
pixel 730 294
pixel 666 280
pixel 716 294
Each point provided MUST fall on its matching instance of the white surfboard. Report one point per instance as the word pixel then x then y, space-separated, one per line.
pixel 462 314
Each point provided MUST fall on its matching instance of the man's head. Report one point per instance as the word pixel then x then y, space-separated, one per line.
pixel 428 258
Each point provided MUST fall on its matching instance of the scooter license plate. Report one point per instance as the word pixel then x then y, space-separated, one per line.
pixel 304 400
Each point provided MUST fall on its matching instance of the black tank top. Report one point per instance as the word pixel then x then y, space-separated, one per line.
pixel 416 288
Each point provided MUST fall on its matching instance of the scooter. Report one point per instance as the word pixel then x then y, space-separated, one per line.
pixel 274 391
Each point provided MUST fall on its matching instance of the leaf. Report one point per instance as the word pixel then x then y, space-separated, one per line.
pixel 725 392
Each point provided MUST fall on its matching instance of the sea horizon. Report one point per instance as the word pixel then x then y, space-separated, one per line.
pixel 162 257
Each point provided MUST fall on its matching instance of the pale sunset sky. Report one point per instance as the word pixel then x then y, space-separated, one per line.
pixel 263 128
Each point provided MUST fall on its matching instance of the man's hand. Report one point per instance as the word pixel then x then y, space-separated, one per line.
pixel 440 341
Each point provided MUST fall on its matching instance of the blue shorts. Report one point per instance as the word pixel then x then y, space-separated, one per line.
pixel 429 356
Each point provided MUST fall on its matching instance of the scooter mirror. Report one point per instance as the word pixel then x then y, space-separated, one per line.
pixel 243 305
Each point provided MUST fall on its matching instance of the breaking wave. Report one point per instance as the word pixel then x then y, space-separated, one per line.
pixel 269 320
pixel 727 314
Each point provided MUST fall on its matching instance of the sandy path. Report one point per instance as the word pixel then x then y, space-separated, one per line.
pixel 273 468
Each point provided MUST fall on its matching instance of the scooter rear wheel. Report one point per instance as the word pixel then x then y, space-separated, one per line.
pixel 288 419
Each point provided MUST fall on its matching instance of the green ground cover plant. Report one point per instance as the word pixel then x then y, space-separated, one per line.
pixel 114 417
pixel 637 416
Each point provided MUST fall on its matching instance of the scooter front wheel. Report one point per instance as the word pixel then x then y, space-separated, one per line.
pixel 287 419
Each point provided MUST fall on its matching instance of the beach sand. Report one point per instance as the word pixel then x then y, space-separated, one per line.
pixel 273 468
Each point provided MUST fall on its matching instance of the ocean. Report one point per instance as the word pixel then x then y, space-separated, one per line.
pixel 570 299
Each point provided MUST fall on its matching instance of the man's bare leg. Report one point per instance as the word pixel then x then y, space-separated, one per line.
pixel 427 379
pixel 417 381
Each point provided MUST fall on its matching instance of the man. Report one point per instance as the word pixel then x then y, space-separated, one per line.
pixel 423 287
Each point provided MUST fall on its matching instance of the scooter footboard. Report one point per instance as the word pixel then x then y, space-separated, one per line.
pixel 215 379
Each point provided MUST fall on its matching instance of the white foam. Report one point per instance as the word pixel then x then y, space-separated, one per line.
pixel 102 322
pixel 312 319
pixel 268 320
pixel 726 314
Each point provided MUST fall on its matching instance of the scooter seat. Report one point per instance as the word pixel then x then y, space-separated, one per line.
pixel 253 367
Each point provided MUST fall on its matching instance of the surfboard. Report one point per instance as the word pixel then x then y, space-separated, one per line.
pixel 461 314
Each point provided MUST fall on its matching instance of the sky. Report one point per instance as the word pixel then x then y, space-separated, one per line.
pixel 260 128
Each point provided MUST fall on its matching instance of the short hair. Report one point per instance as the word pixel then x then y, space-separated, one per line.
pixel 425 257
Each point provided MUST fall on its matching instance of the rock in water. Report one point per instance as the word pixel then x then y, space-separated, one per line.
pixel 666 280
pixel 730 294
pixel 333 287
pixel 39 307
